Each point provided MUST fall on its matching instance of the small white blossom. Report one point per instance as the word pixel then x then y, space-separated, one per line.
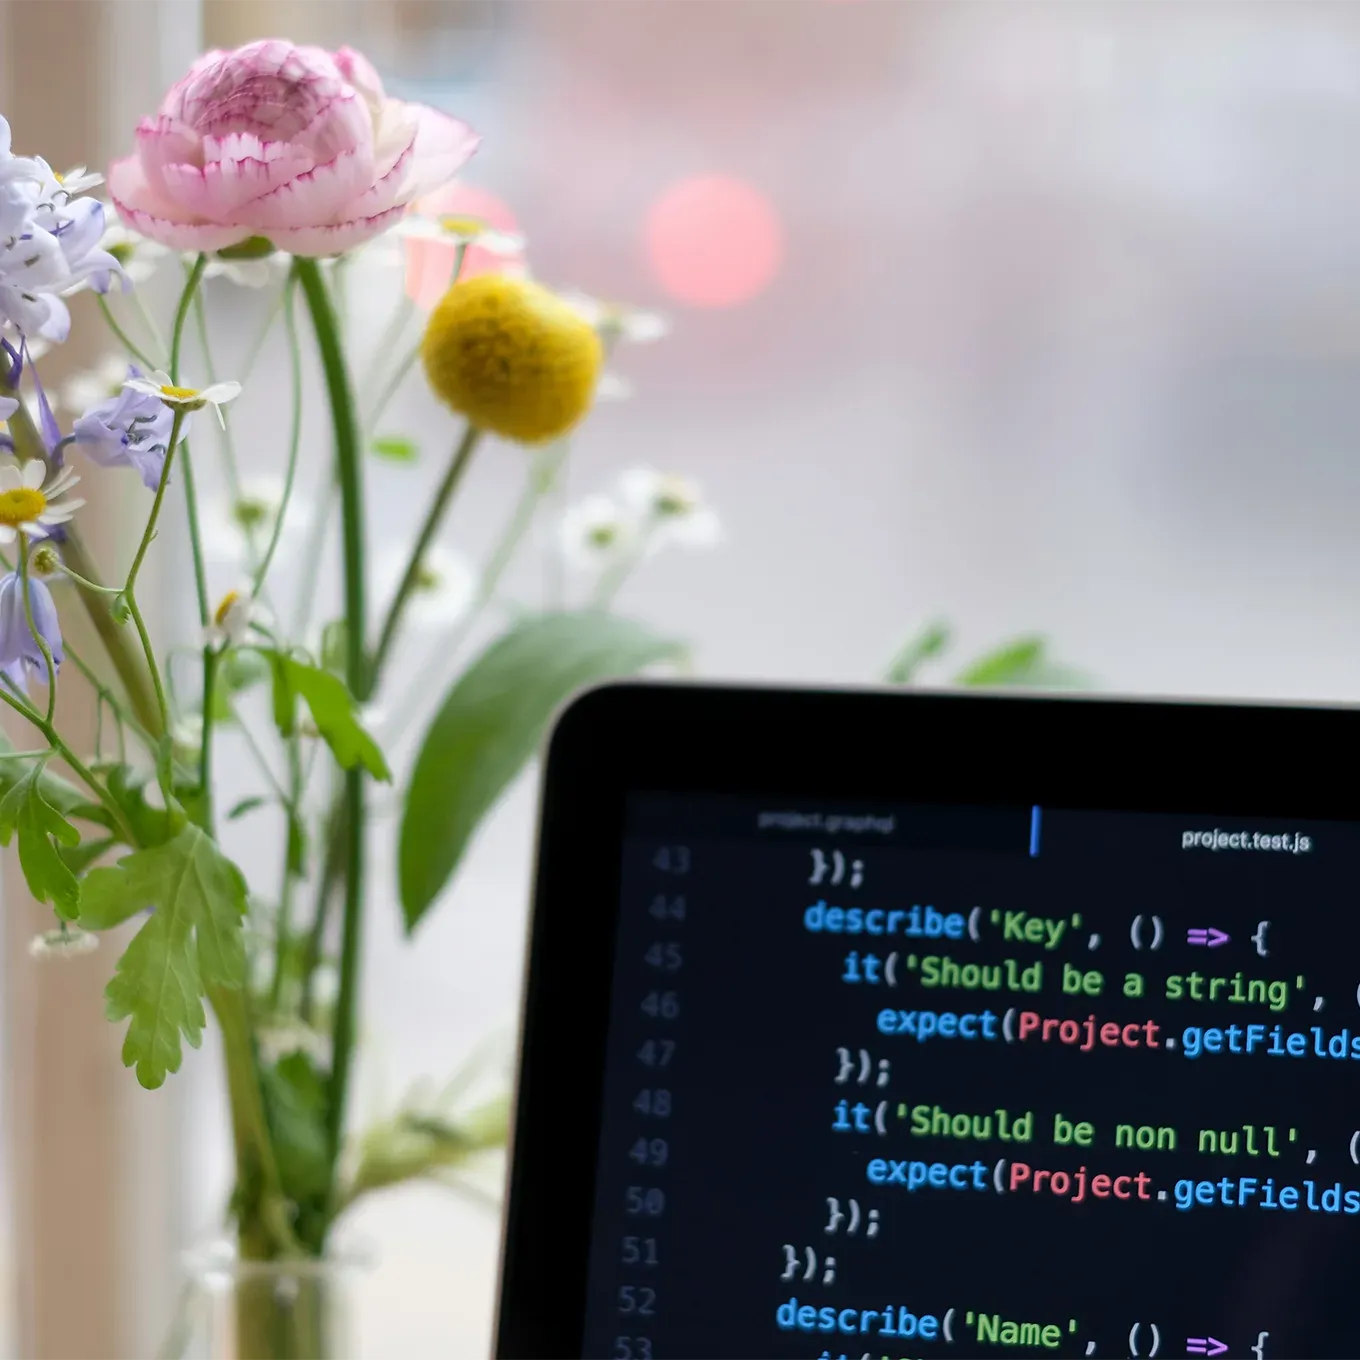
pixel 67 942
pixel 229 522
pixel 139 256
pixel 258 272
pixel 597 532
pixel 617 322
pixel 236 614
pixel 32 507
pixel 672 508
pixel 459 229
pixel 445 586
pixel 186 398
pixel 291 1036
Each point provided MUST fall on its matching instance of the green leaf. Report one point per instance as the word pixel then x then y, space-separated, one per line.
pixel 78 858
pixel 56 792
pixel 1024 662
pixel 152 825
pixel 245 805
pixel 332 709
pixel 395 448
pixel 491 723
pixel 334 643
pixel 41 830
pixel 916 651
pixel 191 941
pixel 295 1106
pixel 284 695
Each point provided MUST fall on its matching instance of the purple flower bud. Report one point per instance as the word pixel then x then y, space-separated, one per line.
pixel 131 429
pixel 19 651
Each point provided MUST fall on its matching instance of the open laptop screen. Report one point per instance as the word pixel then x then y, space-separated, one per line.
pixel 912 1080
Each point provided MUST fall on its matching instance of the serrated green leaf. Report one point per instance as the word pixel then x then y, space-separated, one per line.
pixel 396 448
pixel 916 651
pixel 41 830
pixel 333 711
pixel 191 941
pixel 491 723
pixel 56 791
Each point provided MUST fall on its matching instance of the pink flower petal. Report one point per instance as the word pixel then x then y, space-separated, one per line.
pixel 162 142
pixel 394 134
pixel 342 124
pixel 147 211
pixel 387 192
pixel 361 73
pixel 443 146
pixel 319 196
pixel 332 240
pixel 222 187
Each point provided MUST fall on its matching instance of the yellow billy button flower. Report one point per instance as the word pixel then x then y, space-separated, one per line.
pixel 512 357
pixel 31 507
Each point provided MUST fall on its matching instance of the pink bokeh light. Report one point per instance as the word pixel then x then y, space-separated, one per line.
pixel 429 264
pixel 714 241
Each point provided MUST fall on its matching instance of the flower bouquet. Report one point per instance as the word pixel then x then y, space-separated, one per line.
pixel 279 165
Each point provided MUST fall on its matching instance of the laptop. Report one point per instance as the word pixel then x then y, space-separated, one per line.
pixel 906 1024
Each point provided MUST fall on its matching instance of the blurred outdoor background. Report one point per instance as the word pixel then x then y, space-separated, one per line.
pixel 1034 317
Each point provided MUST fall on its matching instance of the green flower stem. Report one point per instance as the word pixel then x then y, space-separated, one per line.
pixel 129 594
pixel 349 471
pixel 78 766
pixel 261 1209
pixel 294 438
pixel 28 443
pixel 453 476
pixel 34 633
pixel 393 332
pixel 210 372
pixel 283 923
pixel 123 338
pixel 408 362
pixel 88 585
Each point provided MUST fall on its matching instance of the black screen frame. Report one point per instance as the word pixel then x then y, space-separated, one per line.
pixel 1218 759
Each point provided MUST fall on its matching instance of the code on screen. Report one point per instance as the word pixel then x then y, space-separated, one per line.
pixel 979 1081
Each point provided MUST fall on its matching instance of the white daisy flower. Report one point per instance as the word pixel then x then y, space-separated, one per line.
pixel 672 507
pixel 232 620
pixel 617 322
pixel 187 398
pixel 444 588
pixel 139 256
pixel 228 523
pixel 93 385
pixel 66 942
pixel 78 180
pixel 597 533
pixel 461 230
pixel 29 507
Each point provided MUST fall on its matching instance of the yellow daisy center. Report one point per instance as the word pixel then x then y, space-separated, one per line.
pixel 21 506
pixel 461 226
pixel 179 393
pixel 228 602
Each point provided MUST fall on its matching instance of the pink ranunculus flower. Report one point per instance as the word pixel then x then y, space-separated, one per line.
pixel 295 144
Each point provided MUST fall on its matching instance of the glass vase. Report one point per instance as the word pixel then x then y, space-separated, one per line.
pixel 232 1309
